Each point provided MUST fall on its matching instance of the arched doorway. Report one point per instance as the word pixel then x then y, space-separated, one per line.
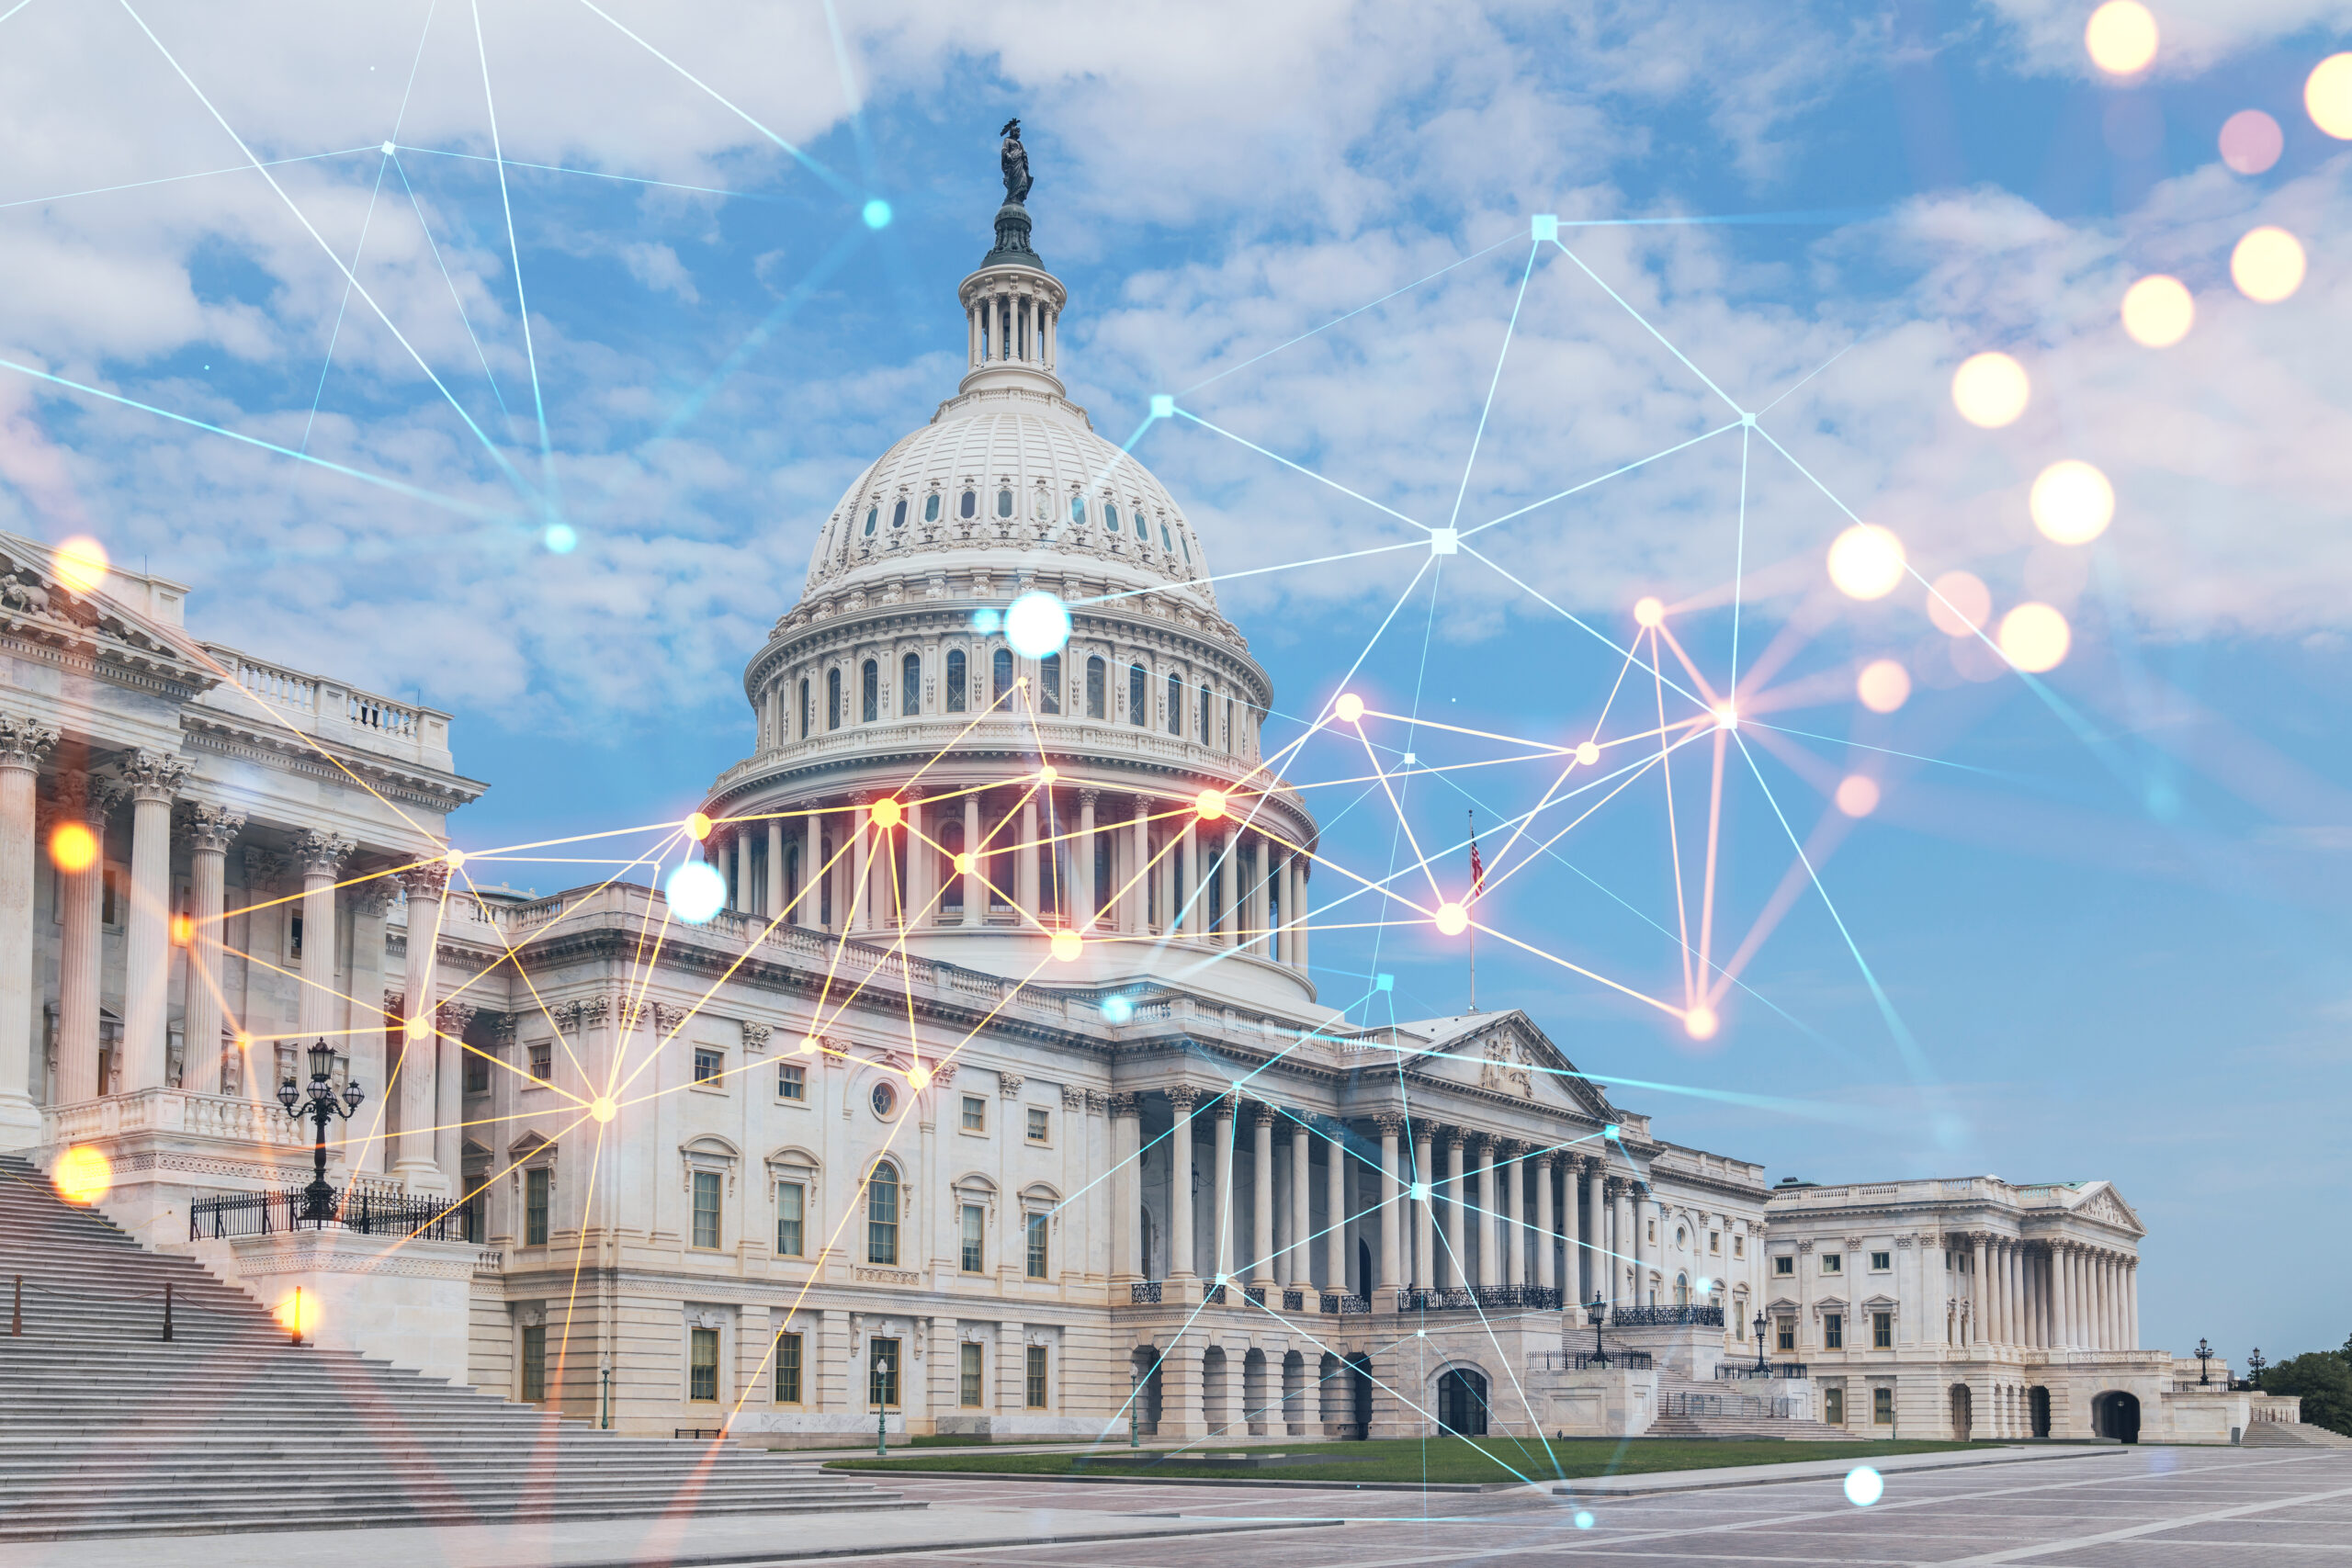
pixel 1462 1403
pixel 2116 1414
pixel 1359 1380
pixel 1363 1266
pixel 1963 1412
pixel 1682 1290
pixel 2038 1405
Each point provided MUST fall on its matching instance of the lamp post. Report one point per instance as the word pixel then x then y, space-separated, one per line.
pixel 878 1374
pixel 2204 1354
pixel 1597 1310
pixel 2254 1365
pixel 317 1102
pixel 1759 1344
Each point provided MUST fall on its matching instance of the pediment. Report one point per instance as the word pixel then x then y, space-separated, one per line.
pixel 1505 1054
pixel 2100 1200
pixel 35 603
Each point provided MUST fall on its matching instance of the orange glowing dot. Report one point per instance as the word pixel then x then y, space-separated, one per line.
pixel 2121 37
pixel 1866 561
pixel 919 1076
pixel 2071 502
pixel 1648 611
pixel 1067 946
pixel 1990 390
pixel 1349 707
pixel 1452 918
pixel 244 1043
pixel 83 1175
pixel 964 863
pixel 1587 753
pixel 809 1047
pixel 73 847
pixel 2267 264
pixel 81 563
pixel 1048 773
pixel 299 1313
pixel 1960 604
pixel 2158 311
pixel 603 1109
pixel 698 827
pixel 2327 95
pixel 1883 685
pixel 1701 1022
pixel 2035 638
pixel 183 930
pixel 886 812
pixel 1210 804
pixel 2251 141
pixel 1857 795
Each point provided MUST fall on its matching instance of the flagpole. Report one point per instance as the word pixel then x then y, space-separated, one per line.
pixel 1475 879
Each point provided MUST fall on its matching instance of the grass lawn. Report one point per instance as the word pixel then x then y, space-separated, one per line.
pixel 1415 1459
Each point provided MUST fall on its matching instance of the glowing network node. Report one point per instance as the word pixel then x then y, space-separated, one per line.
pixel 810 1045
pixel 1452 918
pixel 2071 502
pixel 1224 1279
pixel 81 562
pixel 1701 1022
pixel 1857 795
pixel 1866 561
pixel 1037 625
pixel 987 620
pixel 244 1042
pixel 2251 141
pixel 1117 1009
pixel 1726 716
pixel 1048 773
pixel 1410 759
pixel 603 1109
pixel 1384 982
pixel 1648 611
pixel 183 930
pixel 696 892
pixel 1608 1129
pixel 1864 1487
pixel 877 214
pixel 1210 804
pixel 83 1175
pixel 1417 1191
pixel 1163 406
pixel 886 812
pixel 2327 95
pixel 1349 707
pixel 2267 264
pixel 1705 1285
pixel 2121 37
pixel 1990 389
pixel 1545 226
pixel 72 847
pixel 561 539
pixel 2158 310
pixel 1584 1518
pixel 1587 753
pixel 1067 946
pixel 455 860
pixel 964 863
pixel 919 1076
pixel 2035 638
pixel 1445 541
pixel 386 149
pixel 1883 686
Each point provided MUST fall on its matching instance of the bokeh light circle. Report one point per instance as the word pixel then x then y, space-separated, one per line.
pixel 1037 625
pixel 73 847
pixel 81 564
pixel 810 1045
pixel 1048 773
pixel 1990 390
pixel 603 1109
pixel 1067 946
pixel 696 892
pixel 1584 1519
pixel 1117 1009
pixel 877 213
pixel 2158 310
pixel 1866 561
pixel 1210 804
pixel 1587 753
pixel 2121 37
pixel 987 620
pixel 1960 604
pixel 2267 264
pixel 2327 95
pixel 2251 141
pixel 1857 795
pixel 1864 1487
pixel 299 1313
pixel 1648 611
pixel 455 860
pixel 1349 707
pixel 2071 502
pixel 1701 1022
pixel 561 539
pixel 1883 685
pixel 886 812
pixel 1452 918
pixel 83 1175
pixel 2035 638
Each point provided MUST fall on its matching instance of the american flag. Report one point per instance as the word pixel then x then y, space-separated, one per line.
pixel 1478 868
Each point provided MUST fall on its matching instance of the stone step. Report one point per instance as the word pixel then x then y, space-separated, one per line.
pixel 2293 1434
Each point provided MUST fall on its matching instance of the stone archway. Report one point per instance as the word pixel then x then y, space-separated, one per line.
pixel 1963 1412
pixel 2038 1403
pixel 1462 1403
pixel 2116 1414
pixel 1145 1369
pixel 1254 1395
pixel 1216 1406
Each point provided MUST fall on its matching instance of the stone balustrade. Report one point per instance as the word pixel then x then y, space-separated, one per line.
pixel 230 1118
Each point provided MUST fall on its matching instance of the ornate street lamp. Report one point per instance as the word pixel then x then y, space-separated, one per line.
pixel 318 1103
pixel 2204 1354
pixel 1597 1310
pixel 2254 1365
pixel 1759 1344
pixel 878 1374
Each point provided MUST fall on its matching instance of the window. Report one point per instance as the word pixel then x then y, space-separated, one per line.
pixel 1833 1406
pixel 1715 1241
pixel 1833 1263
pixel 1653 1230
pixel 1049 683
pixel 1833 1331
pixel 1032 1380
pixel 832 699
pixel 706 1209
pixel 969 506
pixel 1110 517
pixel 882 1216
pixel 1034 1237
pixel 972 1255
pixel 1078 510
pixel 1095 681
pixel 477 1074
pixel 787 1346
pixel 808 714
pixel 1205 716
pixel 967 1369
pixel 1041 1123
pixel 542 1060
pixel 910 685
pixel 870 515
pixel 1784 1265
pixel 956 679
pixel 792 1081
pixel 930 507
pixel 1738 1245
pixel 1880 1262
pixel 882 1373
pixel 1175 704
pixel 701 1369
pixel 884 1099
pixel 470 1212
pixel 1165 542
pixel 1881 1331
pixel 1138 710
pixel 975 1113
pixel 536 1184
pixel 709 1065
pixel 1787 1337
pixel 791 1209
pixel 869 692
pixel 1004 503
pixel 899 514
pixel 1143 529
pixel 1883 1408
pixel 535 1363
pixel 1001 674
pixel 1187 545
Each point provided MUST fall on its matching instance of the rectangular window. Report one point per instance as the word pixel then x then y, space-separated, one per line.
pixel 956 680
pixel 702 1371
pixel 1833 1263
pixel 1784 1265
pixel 709 1065
pixel 1175 704
pixel 706 1209
pixel 967 1365
pixel 1138 698
pixel 542 1060
pixel 975 1250
pixel 910 685
pixel 1040 1123
pixel 1833 1331
pixel 1033 1382
pixel 1833 1406
pixel 1094 692
pixel 477 1074
pixel 1787 1338
pixel 1035 1238
pixel 1653 1230
pixel 791 1081
pixel 1883 1408
pixel 1738 1245
pixel 882 1373
pixel 1881 1331
pixel 535 1363
pixel 1049 683
pixel 1880 1262
pixel 787 1368
pixel 535 1186
pixel 790 1196
pixel 471 1213
pixel 1715 1241
pixel 975 1113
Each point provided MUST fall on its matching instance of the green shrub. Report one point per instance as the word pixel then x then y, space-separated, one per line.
pixel 2325 1380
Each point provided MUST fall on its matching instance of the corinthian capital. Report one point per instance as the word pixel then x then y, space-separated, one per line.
pixel 213 828
pixel 321 854
pixel 24 743
pixel 152 775
pixel 427 879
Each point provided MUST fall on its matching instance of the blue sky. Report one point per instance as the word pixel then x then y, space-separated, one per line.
pixel 2108 913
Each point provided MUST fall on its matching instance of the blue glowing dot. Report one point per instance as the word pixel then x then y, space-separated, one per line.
pixel 1163 405
pixel 1864 1486
pixel 987 620
pixel 1384 982
pixel 1117 1009
pixel 1546 225
pixel 1584 1519
pixel 1705 1285
pixel 1037 625
pixel 1609 1131
pixel 560 538
pixel 877 214
pixel 696 892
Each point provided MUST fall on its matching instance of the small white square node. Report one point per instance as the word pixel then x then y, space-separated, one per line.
pixel 1410 759
pixel 1546 227
pixel 1445 541
pixel 1163 405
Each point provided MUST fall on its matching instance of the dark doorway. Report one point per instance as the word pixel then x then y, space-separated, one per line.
pixel 1363 1268
pixel 1963 1412
pixel 1360 1379
pixel 1462 1404
pixel 2117 1416
pixel 2038 1405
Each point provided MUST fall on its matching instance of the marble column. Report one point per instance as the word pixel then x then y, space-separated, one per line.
pixel 1639 1201
pixel 154 780
pixel 776 893
pixel 1186 909
pixel 921 902
pixel 976 893
pixel 859 914
pixel 1598 1269
pixel 1222 1111
pixel 2132 1309
pixel 1261 1219
pixel 87 799
pixel 1390 1127
pixel 1182 1098
pixel 1424 1212
pixel 1126 1262
pixel 809 906
pixel 23 744
pixel 1335 1208
pixel 1546 1231
pixel 450 1021
pixel 320 856
pixel 1620 1227
pixel 1027 884
pixel 1494 1228
pixel 2070 1336
pixel 1452 1261
pixel 1302 1197
pixel 1295 913
pixel 414 1163
pixel 1134 881
pixel 2020 1333
pixel 738 857
pixel 211 829
pixel 1229 919
pixel 1081 865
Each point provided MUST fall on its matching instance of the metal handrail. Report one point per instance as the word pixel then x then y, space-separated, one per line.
pixel 1479 1298
pixel 232 1215
pixel 1144 1292
pixel 1585 1360
pixel 1792 1370
pixel 1667 1316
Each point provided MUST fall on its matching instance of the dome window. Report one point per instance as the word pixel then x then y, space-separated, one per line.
pixel 1165 542
pixel 1001 671
pixel 1039 509
pixel 1143 528
pixel 1110 517
pixel 1097 676
pixel 899 514
pixel 1187 544
pixel 971 506
pixel 956 675
pixel 1175 704
pixel 1004 503
pixel 1078 510
pixel 869 686
pixel 871 514
pixel 1138 696
pixel 1049 683
pixel 910 683
pixel 930 507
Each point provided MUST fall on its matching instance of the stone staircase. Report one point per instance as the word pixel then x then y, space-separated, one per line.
pixel 1739 1407
pixel 2293 1434
pixel 108 1430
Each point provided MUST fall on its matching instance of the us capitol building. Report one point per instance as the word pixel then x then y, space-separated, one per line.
pixel 867 1138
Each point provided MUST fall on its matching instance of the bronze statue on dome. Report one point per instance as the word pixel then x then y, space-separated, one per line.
pixel 1015 160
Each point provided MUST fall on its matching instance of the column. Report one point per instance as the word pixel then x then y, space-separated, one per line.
pixel 776 869
pixel 1996 1295
pixel 1190 900
pixel 1181 1097
pixel 1294 915
pixel 153 779
pixel 2107 1334
pixel 320 855
pixel 2131 1304
pixel 1126 1140
pixel 738 852
pixel 1222 1111
pixel 412 1156
pixel 211 829
pixel 2014 1303
pixel 1595 1231
pixel 1639 1199
pixel 85 799
pixel 1081 865
pixel 1391 1276
pixel 1492 1228
pixel 809 911
pixel 1547 1232
pixel 1261 1219
pixel 1135 897
pixel 450 1021
pixel 23 744
pixel 1450 1256
pixel 2061 1275
pixel 859 914
pixel 1620 1230
pixel 1302 1195
pixel 976 893
pixel 1335 1209
pixel 921 900
pixel 1026 883
pixel 1424 1212
pixel 1229 921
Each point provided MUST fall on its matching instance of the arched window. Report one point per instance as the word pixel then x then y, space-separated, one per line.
pixel 971 506
pixel 1187 545
pixel 951 881
pixel 910 684
pixel 882 1216
pixel 1097 677
pixel 1138 699
pixel 930 507
pixel 1175 704
pixel 833 698
pixel 1110 517
pixel 1204 714
pixel 869 692
pixel 1143 528
pixel 899 514
pixel 1228 727
pixel 871 514
pixel 1078 510
pixel 955 680
pixel 1001 674
pixel 1004 503
pixel 1165 542
pixel 808 711
pixel 1049 683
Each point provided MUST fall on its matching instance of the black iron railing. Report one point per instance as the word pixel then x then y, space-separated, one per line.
pixel 1480 1298
pixel 1213 1296
pixel 1751 1405
pixel 1256 1294
pixel 1294 1301
pixel 370 1214
pixel 1586 1360
pixel 1667 1316
pixel 1338 1305
pixel 1778 1369
pixel 1145 1292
